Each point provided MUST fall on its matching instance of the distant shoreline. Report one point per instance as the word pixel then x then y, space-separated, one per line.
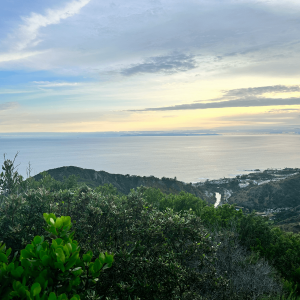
pixel 175 133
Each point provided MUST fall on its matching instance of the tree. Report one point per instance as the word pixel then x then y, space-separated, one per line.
pixel 10 179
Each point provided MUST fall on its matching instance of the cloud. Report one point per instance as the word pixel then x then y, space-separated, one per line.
pixel 8 105
pixel 246 97
pixel 258 91
pixel 5 57
pixel 283 110
pixel 14 92
pixel 230 103
pixel 163 64
pixel 55 84
pixel 28 32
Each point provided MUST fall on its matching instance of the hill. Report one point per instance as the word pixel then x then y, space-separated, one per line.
pixel 124 183
pixel 283 193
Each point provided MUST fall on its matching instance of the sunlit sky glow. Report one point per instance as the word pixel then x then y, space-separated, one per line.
pixel 142 65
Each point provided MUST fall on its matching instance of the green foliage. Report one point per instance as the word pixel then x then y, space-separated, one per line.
pixel 10 180
pixel 257 234
pixel 48 183
pixel 182 201
pixel 150 246
pixel 159 240
pixel 53 270
pixel 70 182
pixel 223 216
pixel 107 189
pixel 153 250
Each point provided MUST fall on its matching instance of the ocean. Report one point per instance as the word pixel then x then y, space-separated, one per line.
pixel 188 158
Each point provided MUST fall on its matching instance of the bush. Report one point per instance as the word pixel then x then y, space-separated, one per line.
pixel 45 271
pixel 152 248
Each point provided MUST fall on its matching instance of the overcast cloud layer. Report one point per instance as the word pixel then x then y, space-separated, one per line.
pixel 87 65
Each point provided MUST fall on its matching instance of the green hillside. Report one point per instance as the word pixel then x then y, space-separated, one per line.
pixel 124 183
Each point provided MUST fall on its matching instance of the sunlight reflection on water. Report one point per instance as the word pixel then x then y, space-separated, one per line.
pixel 189 158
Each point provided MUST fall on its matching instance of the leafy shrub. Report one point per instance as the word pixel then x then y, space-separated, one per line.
pixel 46 271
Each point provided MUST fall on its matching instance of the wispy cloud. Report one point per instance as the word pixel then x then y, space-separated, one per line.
pixel 8 105
pixel 248 97
pixel 231 103
pixel 14 92
pixel 55 84
pixel 258 91
pixel 283 110
pixel 163 64
pixel 5 57
pixel 28 33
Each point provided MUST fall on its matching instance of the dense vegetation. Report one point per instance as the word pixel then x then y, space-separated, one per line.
pixel 164 246
pixel 123 183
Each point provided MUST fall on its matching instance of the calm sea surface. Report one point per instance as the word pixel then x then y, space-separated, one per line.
pixel 189 158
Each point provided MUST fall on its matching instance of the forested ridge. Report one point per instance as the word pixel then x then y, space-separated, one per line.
pixel 124 183
pixel 149 244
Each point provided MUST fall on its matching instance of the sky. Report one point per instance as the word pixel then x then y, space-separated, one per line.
pixel 149 65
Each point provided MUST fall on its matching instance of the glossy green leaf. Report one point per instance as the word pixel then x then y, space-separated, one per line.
pixel 74 247
pixel 53 230
pixel 8 251
pixel 77 271
pixel 62 297
pixel 46 217
pixel 37 240
pixel 10 267
pixel 52 296
pixel 102 257
pixel 35 289
pixel 59 241
pixel 58 223
pixel 25 254
pixel 60 255
pixel 86 258
pixel 45 260
pixel 17 285
pixel 17 272
pixel 91 267
pixel 54 244
pixel 25 263
pixel 66 251
pixel 97 265
pixel 29 247
pixel 67 220
pixel 3 258
pixel 72 260
pixel 42 253
pixel 69 247
pixel 109 259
